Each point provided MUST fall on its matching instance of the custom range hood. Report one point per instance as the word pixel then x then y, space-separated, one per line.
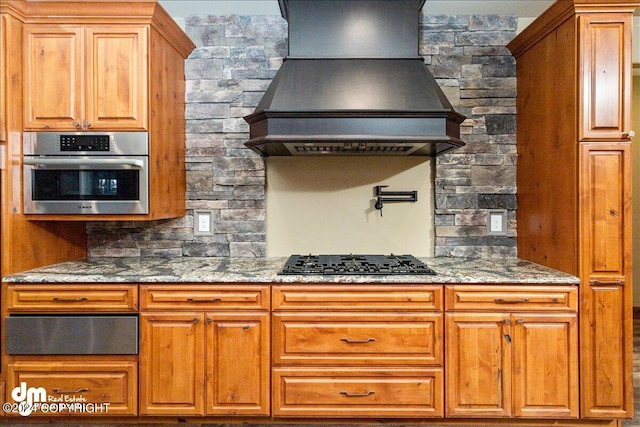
pixel 353 84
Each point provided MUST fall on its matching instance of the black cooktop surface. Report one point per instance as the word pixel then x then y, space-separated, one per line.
pixel 355 264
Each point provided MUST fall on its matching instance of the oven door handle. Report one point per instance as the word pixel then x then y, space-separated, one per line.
pixel 83 162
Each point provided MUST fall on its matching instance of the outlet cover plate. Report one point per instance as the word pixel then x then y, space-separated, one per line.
pixel 202 223
pixel 497 222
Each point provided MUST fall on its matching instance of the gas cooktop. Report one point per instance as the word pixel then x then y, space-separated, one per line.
pixel 355 264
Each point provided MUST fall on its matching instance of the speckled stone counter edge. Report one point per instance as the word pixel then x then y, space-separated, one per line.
pixel 265 270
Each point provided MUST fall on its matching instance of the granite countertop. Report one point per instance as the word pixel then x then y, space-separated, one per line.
pixel 265 270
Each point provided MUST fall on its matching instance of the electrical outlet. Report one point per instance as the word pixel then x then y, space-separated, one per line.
pixel 497 222
pixel 202 223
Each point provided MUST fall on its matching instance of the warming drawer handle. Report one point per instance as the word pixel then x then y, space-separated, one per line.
pixel 204 299
pixel 510 301
pixel 63 391
pixel 350 341
pixel 80 299
pixel 365 394
pixel 82 162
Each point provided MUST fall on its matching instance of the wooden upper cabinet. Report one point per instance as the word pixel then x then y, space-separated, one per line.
pixel 605 76
pixel 3 77
pixel 89 77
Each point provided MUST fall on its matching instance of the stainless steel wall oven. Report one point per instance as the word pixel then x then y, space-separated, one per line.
pixel 86 173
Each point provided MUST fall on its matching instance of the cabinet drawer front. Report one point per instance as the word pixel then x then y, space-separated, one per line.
pixel 357 393
pixel 72 298
pixel 195 297
pixel 356 338
pixel 350 297
pixel 512 298
pixel 103 382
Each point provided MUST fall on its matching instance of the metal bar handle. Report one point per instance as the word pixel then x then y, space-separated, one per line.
pixel 510 301
pixel 365 394
pixel 80 299
pixel 606 282
pixel 82 162
pixel 63 391
pixel 364 341
pixel 204 299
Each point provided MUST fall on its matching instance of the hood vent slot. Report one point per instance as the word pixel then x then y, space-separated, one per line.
pixel 353 84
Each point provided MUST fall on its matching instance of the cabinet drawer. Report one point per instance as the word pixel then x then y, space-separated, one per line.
pixel 205 297
pixel 338 392
pixel 80 381
pixel 72 298
pixel 357 338
pixel 354 297
pixel 511 298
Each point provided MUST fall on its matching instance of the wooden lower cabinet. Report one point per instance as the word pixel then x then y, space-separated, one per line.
pixel 71 298
pixel 104 387
pixel 357 351
pixel 319 338
pixel 608 358
pixel 204 363
pixel 357 392
pixel 606 300
pixel 511 365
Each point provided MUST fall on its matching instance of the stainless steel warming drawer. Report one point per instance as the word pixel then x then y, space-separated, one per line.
pixel 56 334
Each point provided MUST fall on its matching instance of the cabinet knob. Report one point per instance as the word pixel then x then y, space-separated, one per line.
pixel 75 124
pixel 630 134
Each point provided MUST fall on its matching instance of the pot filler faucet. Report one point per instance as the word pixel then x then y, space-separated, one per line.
pixel 393 196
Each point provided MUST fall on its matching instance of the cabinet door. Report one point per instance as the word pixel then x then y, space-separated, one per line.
pixel 607 352
pixel 172 364
pixel 238 364
pixel 53 76
pixel 545 365
pixel 116 86
pixel 478 365
pixel 4 24
pixel 606 210
pixel 605 77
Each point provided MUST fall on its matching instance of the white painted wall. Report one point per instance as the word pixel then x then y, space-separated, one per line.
pixel 326 205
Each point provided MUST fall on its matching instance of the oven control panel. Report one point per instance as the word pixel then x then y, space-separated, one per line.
pixel 84 142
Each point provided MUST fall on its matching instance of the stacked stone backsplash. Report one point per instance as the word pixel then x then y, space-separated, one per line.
pixel 236 58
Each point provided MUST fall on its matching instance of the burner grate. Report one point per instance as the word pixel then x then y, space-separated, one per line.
pixel 355 264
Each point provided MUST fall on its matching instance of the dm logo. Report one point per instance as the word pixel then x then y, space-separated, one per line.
pixel 28 398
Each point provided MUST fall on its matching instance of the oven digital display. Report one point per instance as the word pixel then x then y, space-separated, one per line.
pixel 84 142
